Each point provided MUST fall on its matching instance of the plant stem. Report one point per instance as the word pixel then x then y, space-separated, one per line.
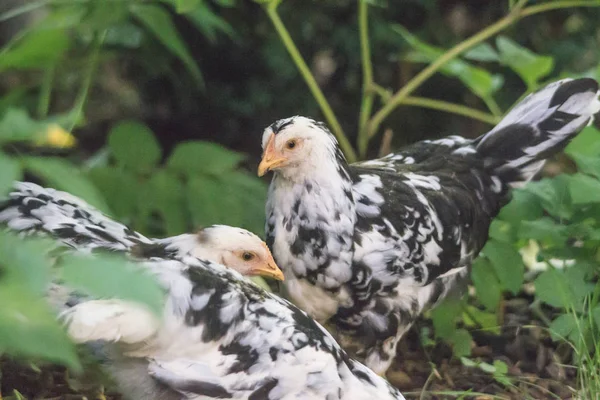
pixel 451 108
pixel 492 106
pixel 515 14
pixel 46 91
pixel 87 80
pixel 367 68
pixel 288 42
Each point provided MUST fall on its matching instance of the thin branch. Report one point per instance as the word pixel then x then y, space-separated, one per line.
pixel 367 68
pixel 87 80
pixel 46 91
pixel 330 117
pixel 451 108
pixel 515 14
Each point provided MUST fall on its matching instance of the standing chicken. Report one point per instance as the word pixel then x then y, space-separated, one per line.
pixel 219 336
pixel 33 209
pixel 367 246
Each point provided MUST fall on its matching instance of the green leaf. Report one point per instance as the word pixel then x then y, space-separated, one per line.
pixel 482 52
pixel 501 367
pixel 507 263
pixel 159 22
pixel 444 318
pixel 552 289
pixel 487 320
pixel 62 175
pixel 485 367
pixel 487 285
pixel 184 6
pixel 478 80
pixel 209 23
pixel 584 189
pixel 10 171
pixel 24 260
pixel 163 194
pixel 38 49
pixel 554 195
pixel 196 157
pixel 17 126
pixel 461 343
pixel 134 146
pixel 587 164
pixel 524 205
pixel 562 326
pixel 110 276
pixel 29 328
pixel 528 65
pixel 503 231
pixel 544 229
pixel 120 188
pixel 586 143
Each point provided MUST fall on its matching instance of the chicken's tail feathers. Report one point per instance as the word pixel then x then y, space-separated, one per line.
pixel 538 127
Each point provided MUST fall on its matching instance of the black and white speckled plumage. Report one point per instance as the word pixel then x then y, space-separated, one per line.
pixel 366 247
pixel 220 336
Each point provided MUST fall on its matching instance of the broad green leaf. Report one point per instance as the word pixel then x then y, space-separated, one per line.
pixel 554 195
pixel 25 260
pixel 584 189
pixel 528 65
pixel 478 80
pixel 251 193
pixel 482 52
pixel 461 343
pixel 109 276
pixel 10 171
pixel 62 175
pixel 17 126
pixel 587 164
pixel 159 22
pixel 501 367
pixel 524 205
pixel 444 318
pixel 29 328
pixel 552 289
pixel 185 6
pixel 562 326
pixel 580 287
pixel 196 157
pixel 209 23
pixel 544 229
pixel 586 143
pixel 120 188
pixel 163 194
pixel 487 320
pixel 134 146
pixel 487 285
pixel 503 231
pixel 507 264
pixel 38 49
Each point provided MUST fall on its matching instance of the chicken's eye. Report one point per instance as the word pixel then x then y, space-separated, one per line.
pixel 247 256
pixel 290 144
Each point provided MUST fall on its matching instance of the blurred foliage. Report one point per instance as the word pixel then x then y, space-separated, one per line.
pixel 165 99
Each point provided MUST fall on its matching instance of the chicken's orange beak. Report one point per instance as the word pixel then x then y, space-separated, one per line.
pixel 270 159
pixel 269 269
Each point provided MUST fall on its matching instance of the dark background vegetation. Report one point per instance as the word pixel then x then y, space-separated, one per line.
pixel 168 99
